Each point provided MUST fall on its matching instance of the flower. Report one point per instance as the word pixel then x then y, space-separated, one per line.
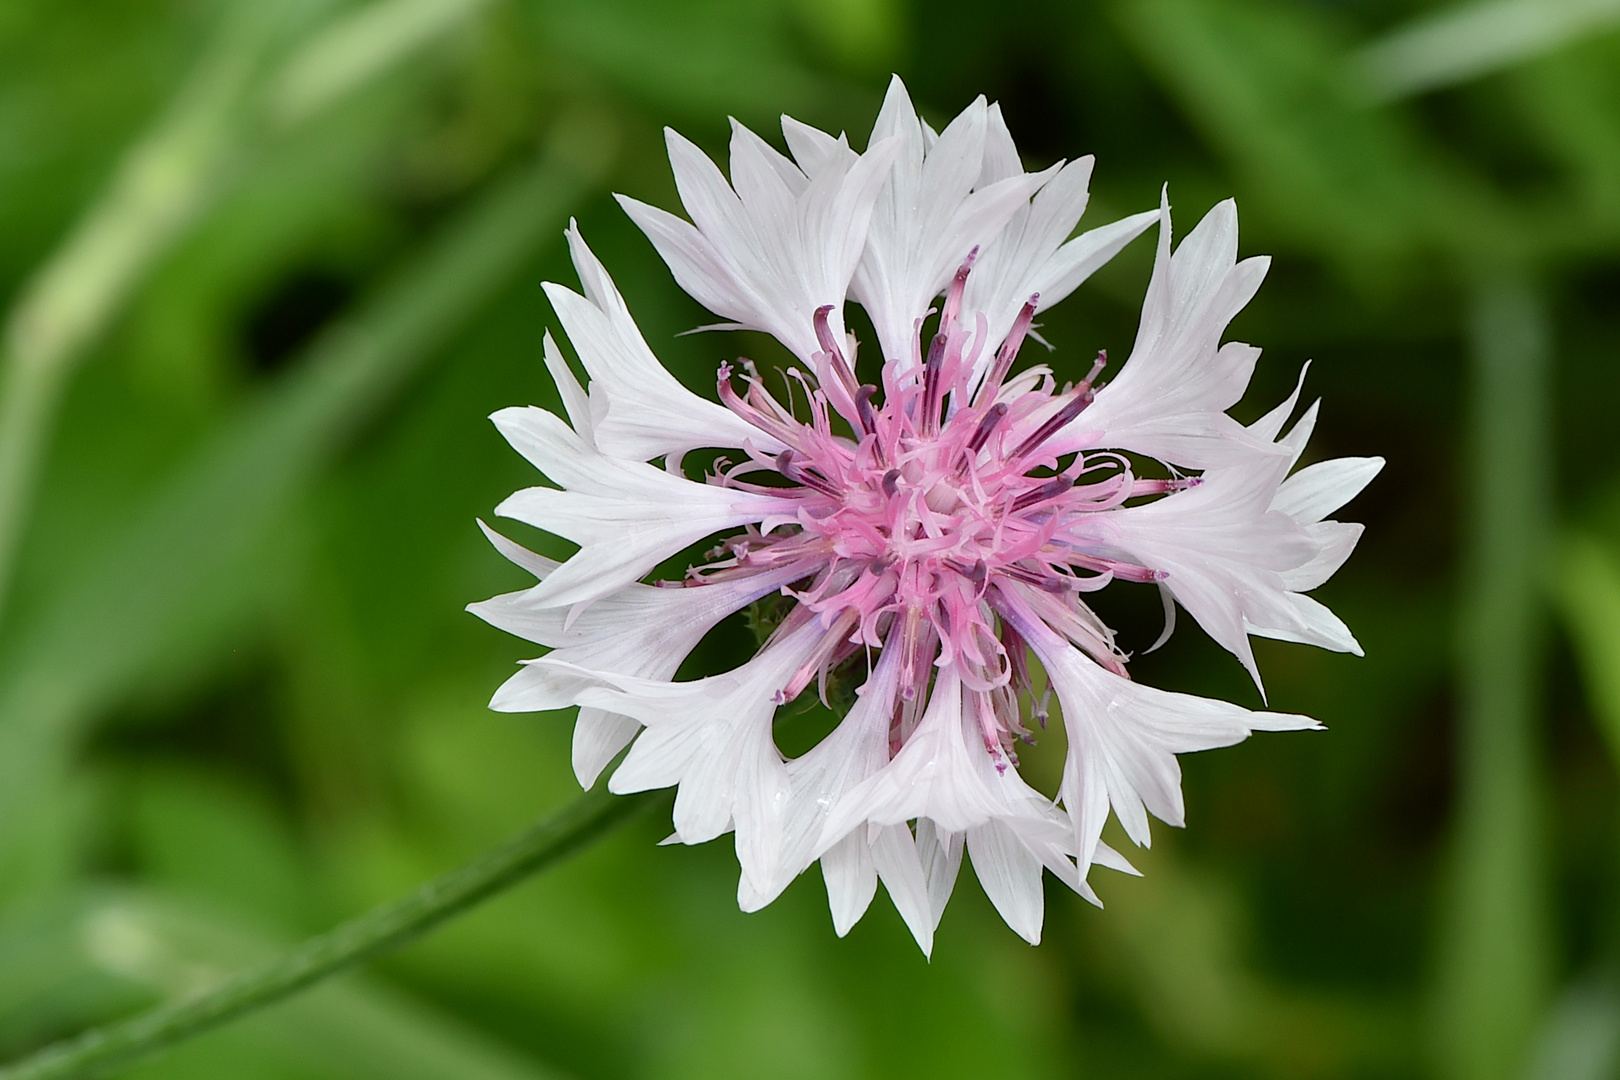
pixel 933 533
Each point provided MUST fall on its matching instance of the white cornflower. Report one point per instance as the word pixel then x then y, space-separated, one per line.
pixel 932 535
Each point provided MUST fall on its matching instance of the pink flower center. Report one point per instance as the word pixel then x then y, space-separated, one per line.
pixel 936 520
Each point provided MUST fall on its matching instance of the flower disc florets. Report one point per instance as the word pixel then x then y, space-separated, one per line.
pixel 943 504
pixel 934 532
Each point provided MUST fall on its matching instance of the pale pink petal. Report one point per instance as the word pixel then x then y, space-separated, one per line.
pixel 641 411
pixel 626 516
pixel 771 247
pixel 1169 400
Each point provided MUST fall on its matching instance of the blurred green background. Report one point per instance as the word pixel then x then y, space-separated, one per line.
pixel 269 264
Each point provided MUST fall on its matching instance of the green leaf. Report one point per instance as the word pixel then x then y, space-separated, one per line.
pixel 1469 40
pixel 1264 82
pixel 1587 588
pixel 195 566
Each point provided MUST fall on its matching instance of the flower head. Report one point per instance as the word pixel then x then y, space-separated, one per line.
pixel 935 531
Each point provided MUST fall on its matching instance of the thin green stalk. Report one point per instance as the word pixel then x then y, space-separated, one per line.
pixel 102 1050
pixel 1495 964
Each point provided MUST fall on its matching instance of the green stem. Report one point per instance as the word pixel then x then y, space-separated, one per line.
pixel 1496 953
pixel 101 1050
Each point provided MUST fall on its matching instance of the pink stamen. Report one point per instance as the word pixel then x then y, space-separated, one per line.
pixel 1009 351
pixel 1073 408
pixel 1164 487
pixel 914 534
pixel 953 297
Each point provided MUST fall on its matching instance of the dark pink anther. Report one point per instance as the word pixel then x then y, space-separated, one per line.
pixel 981 434
pixel 1009 350
pixel 929 421
pixel 1054 487
pixel 787 465
pixel 863 408
pixel 1075 406
pixel 1047 582
pixel 830 345
pixel 953 297
pixel 824 334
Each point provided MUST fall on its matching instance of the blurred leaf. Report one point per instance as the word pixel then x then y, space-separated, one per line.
pixel 1469 40
pixel 166 181
pixel 1261 79
pixel 1573 104
pixel 357 47
pixel 160 187
pixel 211 837
pixel 704 58
pixel 1176 943
pixel 49 987
pixel 868 35
pixel 163 597
pixel 1587 587
pixel 1581 1038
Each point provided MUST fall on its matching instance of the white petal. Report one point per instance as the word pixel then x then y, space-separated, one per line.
pixel 620 540
pixel 813 149
pixel 760 174
pixel 642 411
pixel 856 749
pixel 647 627
pixel 1083 256
pixel 1031 257
pixel 932 776
pixel 771 247
pixel 1113 860
pixel 538 565
pixel 941 856
pixel 1011 877
pixel 1317 490
pixel 894 854
pixel 1001 158
pixel 598 738
pixel 1337 539
pixel 1224 549
pixel 929 217
pixel 1270 425
pixel 1169 399
pixel 1313 624
pixel 542 685
pixel 851 880
pixel 626 516
pixel 712 738
pixel 640 630
pixel 574 400
pixel 1124 736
